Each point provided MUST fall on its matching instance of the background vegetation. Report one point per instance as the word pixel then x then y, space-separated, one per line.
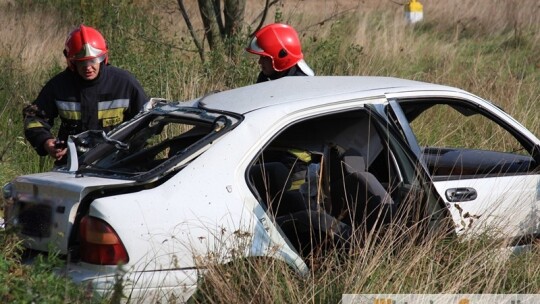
pixel 488 47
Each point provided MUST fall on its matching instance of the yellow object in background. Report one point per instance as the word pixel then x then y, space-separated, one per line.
pixel 414 11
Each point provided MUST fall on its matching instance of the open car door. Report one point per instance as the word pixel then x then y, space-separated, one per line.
pixel 482 162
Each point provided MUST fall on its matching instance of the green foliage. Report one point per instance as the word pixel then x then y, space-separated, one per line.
pixel 335 54
pixel 16 155
pixel 39 283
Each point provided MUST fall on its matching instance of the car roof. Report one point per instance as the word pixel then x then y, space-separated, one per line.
pixel 320 89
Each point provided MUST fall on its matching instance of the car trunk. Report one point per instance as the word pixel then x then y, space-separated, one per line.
pixel 43 206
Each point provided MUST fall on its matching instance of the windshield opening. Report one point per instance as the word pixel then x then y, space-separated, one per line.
pixel 152 144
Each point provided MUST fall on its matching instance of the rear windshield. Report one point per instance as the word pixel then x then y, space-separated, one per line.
pixel 152 144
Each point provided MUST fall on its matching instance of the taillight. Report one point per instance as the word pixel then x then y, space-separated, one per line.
pixel 100 244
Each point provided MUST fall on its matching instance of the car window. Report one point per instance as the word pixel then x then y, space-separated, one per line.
pixel 461 141
pixel 150 146
pixel 153 143
pixel 326 177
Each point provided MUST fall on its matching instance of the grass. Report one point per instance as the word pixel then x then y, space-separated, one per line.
pixel 487 47
pixel 438 266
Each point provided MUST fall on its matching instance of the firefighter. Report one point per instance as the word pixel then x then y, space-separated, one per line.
pixel 280 52
pixel 90 94
pixel 280 55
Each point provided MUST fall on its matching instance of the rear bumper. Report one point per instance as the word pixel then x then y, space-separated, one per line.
pixel 139 286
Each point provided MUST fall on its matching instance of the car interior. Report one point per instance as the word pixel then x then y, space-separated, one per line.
pixel 326 179
pixel 486 147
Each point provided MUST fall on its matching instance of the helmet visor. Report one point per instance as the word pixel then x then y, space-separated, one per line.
pixel 88 62
pixel 255 48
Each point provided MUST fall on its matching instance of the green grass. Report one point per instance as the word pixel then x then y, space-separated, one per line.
pixel 501 65
pixel 39 283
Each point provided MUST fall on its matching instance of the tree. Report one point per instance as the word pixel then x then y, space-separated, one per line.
pixel 223 21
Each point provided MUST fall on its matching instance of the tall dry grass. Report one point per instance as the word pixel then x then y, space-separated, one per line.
pixel 486 17
pixel 390 265
pixel 377 27
pixel 32 37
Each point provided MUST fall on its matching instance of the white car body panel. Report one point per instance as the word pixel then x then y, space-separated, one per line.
pixel 503 206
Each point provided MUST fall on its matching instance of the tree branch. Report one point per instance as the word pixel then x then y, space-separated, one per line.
pixel 217 11
pixel 234 11
pixel 211 28
pixel 200 48
pixel 263 15
pixel 333 16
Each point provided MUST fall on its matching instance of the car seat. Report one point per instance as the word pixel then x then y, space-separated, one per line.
pixel 306 229
pixel 272 181
pixel 357 197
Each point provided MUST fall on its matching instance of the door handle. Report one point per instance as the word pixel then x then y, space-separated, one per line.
pixel 460 194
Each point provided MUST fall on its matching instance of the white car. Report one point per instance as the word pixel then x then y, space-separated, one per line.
pixel 275 170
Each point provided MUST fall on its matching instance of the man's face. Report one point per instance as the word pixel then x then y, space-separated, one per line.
pixel 88 69
pixel 266 65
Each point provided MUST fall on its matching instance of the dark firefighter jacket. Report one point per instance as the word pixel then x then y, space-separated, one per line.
pixel 100 104
pixel 293 71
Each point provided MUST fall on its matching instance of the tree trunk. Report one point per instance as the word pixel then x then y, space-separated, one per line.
pixel 234 16
pixel 200 47
pixel 211 27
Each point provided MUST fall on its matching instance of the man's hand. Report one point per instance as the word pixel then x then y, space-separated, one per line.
pixel 56 149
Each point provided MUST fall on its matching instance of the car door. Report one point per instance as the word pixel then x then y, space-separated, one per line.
pixel 339 171
pixel 482 162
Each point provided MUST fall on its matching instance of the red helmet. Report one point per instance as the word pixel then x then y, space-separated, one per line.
pixel 84 44
pixel 279 42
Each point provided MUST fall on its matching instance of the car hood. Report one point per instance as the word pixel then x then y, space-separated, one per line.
pixel 43 206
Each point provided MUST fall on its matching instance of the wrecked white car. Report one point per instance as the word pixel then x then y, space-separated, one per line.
pixel 276 170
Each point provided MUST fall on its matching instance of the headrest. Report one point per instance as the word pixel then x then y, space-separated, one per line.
pixel 354 163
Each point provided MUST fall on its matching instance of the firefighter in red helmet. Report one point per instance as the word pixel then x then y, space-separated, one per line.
pixel 280 52
pixel 89 94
